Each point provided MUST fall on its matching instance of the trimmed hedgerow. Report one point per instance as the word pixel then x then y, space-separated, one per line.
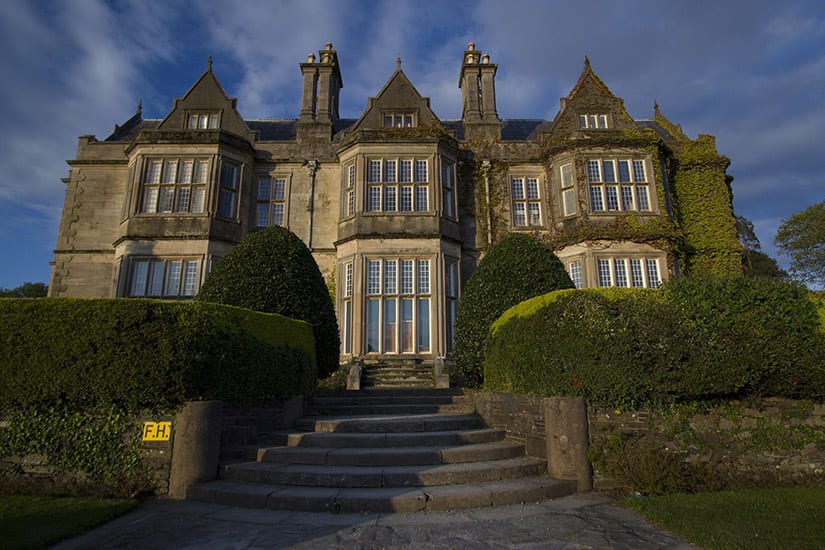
pixel 273 271
pixel 695 339
pixel 146 354
pixel 515 269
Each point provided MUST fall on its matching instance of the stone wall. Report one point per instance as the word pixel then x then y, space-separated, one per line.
pixel 520 416
pixel 747 442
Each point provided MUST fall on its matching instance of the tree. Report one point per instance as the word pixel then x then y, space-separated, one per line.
pixel 26 290
pixel 515 269
pixel 802 237
pixel 755 263
pixel 272 271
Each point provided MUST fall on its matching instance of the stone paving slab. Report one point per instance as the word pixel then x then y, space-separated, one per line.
pixel 575 522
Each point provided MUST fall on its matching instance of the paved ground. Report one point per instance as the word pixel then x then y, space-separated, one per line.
pixel 578 521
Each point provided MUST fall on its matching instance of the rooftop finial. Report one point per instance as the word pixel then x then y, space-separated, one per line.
pixel 398 63
pixel 140 107
pixel 471 46
pixel 209 64
pixel 586 61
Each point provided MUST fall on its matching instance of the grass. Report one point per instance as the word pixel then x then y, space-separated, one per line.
pixel 37 521
pixel 752 519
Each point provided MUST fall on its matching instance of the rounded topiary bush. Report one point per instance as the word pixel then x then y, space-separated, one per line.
pixel 515 269
pixel 272 271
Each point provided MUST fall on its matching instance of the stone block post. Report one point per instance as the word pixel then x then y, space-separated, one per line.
pixel 196 446
pixel 567 440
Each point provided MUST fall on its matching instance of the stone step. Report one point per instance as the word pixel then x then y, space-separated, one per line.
pixel 392 456
pixel 313 475
pixel 380 440
pixel 360 398
pixel 352 410
pixel 390 424
pixel 391 392
pixel 403 384
pixel 392 499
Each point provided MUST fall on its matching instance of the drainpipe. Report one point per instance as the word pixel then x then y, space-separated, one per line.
pixel 485 169
pixel 312 165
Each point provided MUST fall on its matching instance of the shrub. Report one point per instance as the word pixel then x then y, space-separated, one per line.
pixel 694 339
pixel 515 269
pixel 272 271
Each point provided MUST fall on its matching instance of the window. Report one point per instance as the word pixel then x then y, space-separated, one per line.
pixel 628 272
pixel 451 292
pixel 163 277
pixel 574 269
pixel 593 121
pixel 448 188
pixel 174 185
pixel 398 305
pixel 228 193
pixel 397 185
pixel 399 120
pixel 568 189
pixel 349 193
pixel 271 201
pixel 526 203
pixel 346 337
pixel 202 121
pixel 618 185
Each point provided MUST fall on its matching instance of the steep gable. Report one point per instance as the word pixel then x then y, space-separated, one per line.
pixel 205 99
pixel 398 97
pixel 591 106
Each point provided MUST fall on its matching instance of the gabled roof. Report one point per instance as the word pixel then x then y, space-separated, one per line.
pixel 207 94
pixel 397 94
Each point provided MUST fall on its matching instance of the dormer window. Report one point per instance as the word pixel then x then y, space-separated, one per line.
pixel 593 121
pixel 399 120
pixel 202 121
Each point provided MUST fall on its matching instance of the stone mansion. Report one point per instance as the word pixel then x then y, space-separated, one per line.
pixel 397 206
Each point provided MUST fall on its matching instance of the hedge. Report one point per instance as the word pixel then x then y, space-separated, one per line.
pixel 146 354
pixel 695 339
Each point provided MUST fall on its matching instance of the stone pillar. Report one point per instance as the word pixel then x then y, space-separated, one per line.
pixel 308 90
pixel 488 90
pixel 565 424
pixel 196 446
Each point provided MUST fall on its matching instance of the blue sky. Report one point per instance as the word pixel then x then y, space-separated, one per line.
pixel 750 72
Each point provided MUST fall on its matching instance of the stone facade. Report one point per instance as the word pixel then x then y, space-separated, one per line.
pixel 397 206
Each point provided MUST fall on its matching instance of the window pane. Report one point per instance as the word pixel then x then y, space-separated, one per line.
pixel 390 323
pixel 153 172
pixel 653 273
pixel 569 199
pixel 627 197
pixel 347 327
pixel 423 324
pixel 167 195
pixel 591 121
pixel 406 325
pixel 596 202
pixel 519 215
pixel 348 281
pixel 350 203
pixel 611 192
pixel 423 276
pixel 190 278
pixel 229 176
pixel 390 199
pixel 372 325
pixel 262 215
pixel 226 203
pixel 185 175
pixel 593 173
pixel 389 171
pixel 624 171
pixel 198 199
pixel 279 189
pixel 150 199
pixel 636 277
pixel 278 214
pixel 517 185
pixel 641 195
pixel 140 270
pixel 639 171
pixel 374 172
pixel 605 278
pixel 406 171
pixel 421 171
pixel 374 277
pixel 374 202
pixel 620 268
pixel 582 121
pixel 173 278
pixel 201 172
pixel 182 202
pixel 534 213
pixel 567 175
pixel 170 171
pixel 575 269
pixel 387 122
pixel 609 173
pixel 156 277
pixel 421 198
pixel 406 199
pixel 390 276
pixel 532 188
pixel 406 276
pixel 602 121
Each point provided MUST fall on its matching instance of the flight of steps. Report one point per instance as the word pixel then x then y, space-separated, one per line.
pixel 397 375
pixel 400 450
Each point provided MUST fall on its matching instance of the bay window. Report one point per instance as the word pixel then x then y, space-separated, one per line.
pixel 174 185
pixel 162 278
pixel 618 185
pixel 397 185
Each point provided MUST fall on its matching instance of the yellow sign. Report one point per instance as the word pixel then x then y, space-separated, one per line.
pixel 157 431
